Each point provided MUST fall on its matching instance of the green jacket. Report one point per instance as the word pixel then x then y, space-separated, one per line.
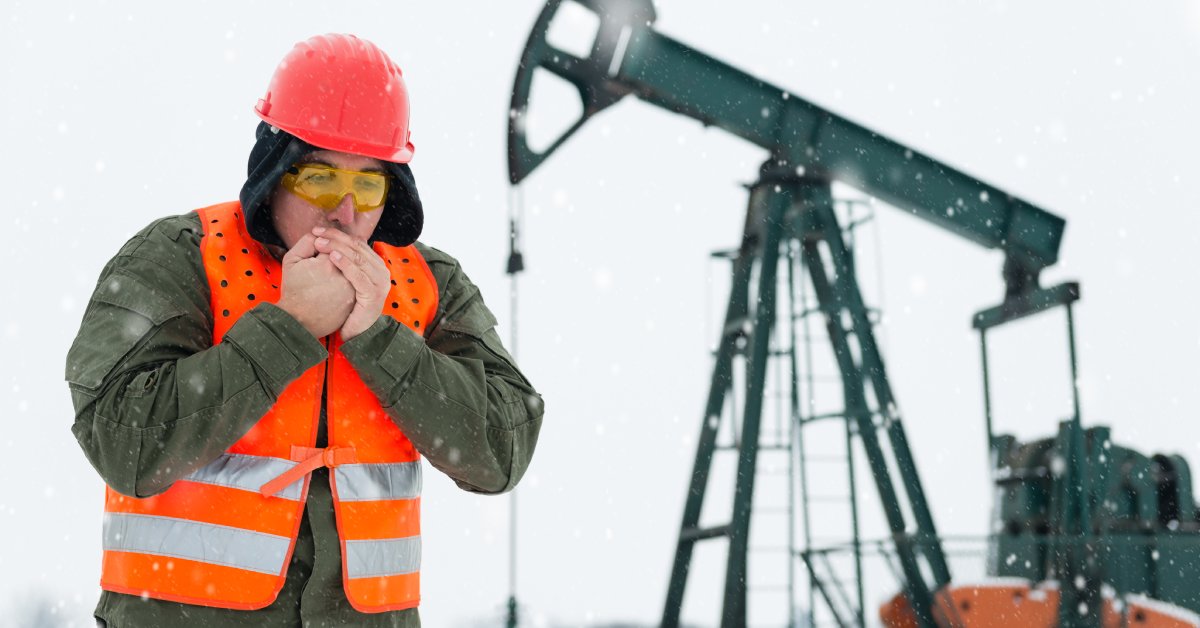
pixel 155 400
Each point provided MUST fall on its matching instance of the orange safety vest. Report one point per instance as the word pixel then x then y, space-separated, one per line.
pixel 223 536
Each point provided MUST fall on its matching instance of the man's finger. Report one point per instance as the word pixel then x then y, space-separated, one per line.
pixel 305 248
pixel 354 273
pixel 325 245
pixel 348 240
pixel 357 251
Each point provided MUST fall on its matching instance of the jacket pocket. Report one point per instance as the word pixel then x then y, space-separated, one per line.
pixel 122 312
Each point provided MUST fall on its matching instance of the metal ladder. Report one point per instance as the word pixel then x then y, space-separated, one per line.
pixel 787 208
pixel 843 596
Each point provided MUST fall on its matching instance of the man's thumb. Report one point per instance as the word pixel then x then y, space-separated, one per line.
pixel 305 248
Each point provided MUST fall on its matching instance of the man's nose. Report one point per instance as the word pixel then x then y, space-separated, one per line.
pixel 343 214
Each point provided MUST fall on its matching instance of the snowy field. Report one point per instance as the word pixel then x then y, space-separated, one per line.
pixel 116 113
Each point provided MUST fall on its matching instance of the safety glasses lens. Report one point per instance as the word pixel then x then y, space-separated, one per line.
pixel 326 186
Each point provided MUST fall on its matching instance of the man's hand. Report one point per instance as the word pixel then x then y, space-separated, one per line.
pixel 313 290
pixel 365 271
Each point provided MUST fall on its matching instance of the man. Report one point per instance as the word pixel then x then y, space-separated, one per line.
pixel 256 381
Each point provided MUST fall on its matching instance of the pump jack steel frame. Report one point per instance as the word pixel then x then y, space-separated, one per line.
pixel 785 206
pixel 628 57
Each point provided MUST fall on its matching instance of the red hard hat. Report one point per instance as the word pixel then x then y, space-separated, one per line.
pixel 341 93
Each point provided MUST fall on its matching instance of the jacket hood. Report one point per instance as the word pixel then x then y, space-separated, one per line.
pixel 276 150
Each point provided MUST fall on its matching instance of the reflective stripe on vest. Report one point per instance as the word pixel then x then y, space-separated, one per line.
pixel 213 538
pixel 255 551
pixel 390 557
pixel 203 542
pixel 362 482
pixel 247 473
pixel 356 482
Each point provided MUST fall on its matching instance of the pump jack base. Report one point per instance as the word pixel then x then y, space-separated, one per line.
pixel 1003 602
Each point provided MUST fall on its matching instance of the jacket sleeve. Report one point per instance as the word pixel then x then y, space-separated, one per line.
pixel 457 393
pixel 154 398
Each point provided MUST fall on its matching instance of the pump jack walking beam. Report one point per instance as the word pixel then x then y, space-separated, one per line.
pixel 629 57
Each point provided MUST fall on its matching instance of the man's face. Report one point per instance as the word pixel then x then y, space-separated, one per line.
pixel 295 217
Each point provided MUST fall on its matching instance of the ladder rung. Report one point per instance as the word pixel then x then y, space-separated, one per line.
pixel 821 417
pixel 833 415
pixel 828 498
pixel 732 447
pixel 825 459
pixel 807 312
pixel 769 588
pixel 699 534
pixel 829 539
pixel 769 548
pixel 825 379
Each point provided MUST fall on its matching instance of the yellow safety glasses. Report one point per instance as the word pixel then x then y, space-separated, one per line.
pixel 325 186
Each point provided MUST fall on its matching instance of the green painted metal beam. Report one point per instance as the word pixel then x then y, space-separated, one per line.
pixel 733 331
pixel 630 57
pixel 773 202
pixel 1027 304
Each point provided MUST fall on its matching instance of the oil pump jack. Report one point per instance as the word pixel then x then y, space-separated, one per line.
pixel 1088 533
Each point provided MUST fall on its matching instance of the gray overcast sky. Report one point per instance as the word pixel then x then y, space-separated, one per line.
pixel 115 113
